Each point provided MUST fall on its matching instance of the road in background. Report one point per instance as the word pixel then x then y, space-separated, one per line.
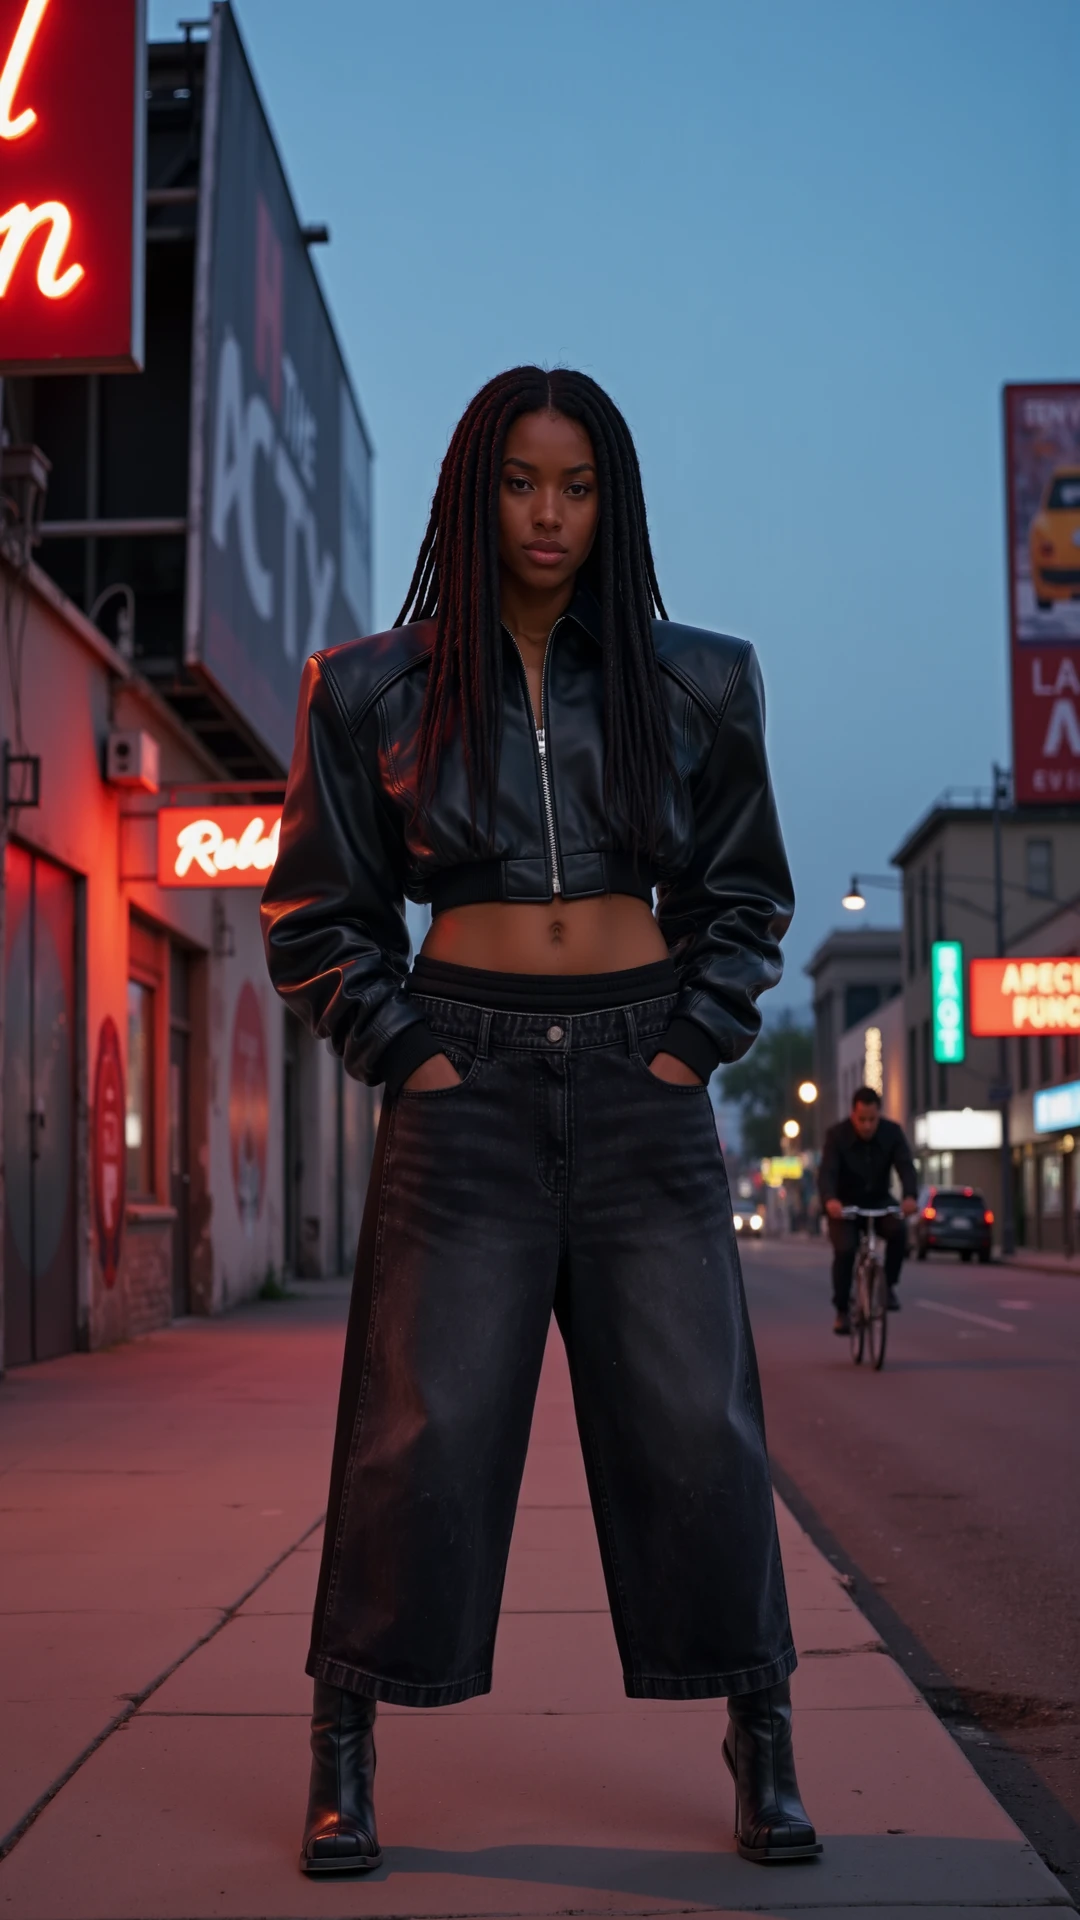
pixel 947 1486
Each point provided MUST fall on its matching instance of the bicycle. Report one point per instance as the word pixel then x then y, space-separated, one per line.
pixel 869 1310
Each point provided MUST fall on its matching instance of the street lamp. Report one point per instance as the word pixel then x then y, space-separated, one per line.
pixel 791 1129
pixel 853 900
pixel 808 1093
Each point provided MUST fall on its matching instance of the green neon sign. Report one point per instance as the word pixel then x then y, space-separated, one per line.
pixel 947 1001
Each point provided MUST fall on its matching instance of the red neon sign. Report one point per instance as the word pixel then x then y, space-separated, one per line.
pixel 1025 996
pixel 72 189
pixel 217 846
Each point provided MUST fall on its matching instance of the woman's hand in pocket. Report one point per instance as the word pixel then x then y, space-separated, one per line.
pixel 666 1066
pixel 432 1075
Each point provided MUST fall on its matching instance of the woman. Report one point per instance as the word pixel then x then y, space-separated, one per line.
pixel 532 751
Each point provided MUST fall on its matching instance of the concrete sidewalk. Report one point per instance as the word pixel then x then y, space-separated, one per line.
pixel 159 1512
pixel 1036 1262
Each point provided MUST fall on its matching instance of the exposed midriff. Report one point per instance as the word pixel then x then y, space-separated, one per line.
pixel 601 935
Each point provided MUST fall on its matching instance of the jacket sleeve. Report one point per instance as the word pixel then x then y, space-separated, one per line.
pixel 905 1165
pixel 333 910
pixel 727 912
pixel 829 1169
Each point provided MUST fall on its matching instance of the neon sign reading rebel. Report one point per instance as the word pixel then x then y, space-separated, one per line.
pixel 20 221
pixel 72 120
pixel 12 127
pixel 217 846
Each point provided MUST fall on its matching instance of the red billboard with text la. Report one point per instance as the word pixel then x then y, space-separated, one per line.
pixel 1042 472
pixel 72 187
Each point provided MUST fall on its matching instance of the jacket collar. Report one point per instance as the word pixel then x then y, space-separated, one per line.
pixel 584 610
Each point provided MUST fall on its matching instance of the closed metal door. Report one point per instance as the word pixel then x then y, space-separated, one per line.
pixel 39 1108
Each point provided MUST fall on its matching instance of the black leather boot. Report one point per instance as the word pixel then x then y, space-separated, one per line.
pixel 771 1823
pixel 339 1834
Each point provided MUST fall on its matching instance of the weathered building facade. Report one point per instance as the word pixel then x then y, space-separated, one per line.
pixel 174 542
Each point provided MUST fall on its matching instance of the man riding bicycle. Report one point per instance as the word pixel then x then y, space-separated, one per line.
pixel 857 1159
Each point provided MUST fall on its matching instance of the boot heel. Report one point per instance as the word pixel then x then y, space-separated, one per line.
pixel 339 1832
pixel 772 1827
pixel 730 1765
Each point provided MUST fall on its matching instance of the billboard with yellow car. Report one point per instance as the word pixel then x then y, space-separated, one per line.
pixel 1042 483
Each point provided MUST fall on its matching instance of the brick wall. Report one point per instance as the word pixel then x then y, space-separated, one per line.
pixel 146 1276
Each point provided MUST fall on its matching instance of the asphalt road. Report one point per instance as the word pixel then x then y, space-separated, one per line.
pixel 948 1488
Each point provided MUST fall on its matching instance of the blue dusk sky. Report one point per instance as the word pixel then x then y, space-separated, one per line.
pixel 803 243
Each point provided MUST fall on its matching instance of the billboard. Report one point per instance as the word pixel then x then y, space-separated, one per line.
pixel 72 186
pixel 279 544
pixel 1042 485
pixel 947 1001
pixel 1025 996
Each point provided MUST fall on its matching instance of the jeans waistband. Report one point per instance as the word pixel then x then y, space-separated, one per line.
pixel 556 1021
pixel 537 992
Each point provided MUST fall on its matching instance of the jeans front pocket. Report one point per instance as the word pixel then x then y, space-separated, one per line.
pixel 643 1070
pixel 468 1065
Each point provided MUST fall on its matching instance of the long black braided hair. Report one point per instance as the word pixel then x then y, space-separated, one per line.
pixel 456 582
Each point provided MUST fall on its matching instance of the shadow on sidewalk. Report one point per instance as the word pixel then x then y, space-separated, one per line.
pixel 854 1868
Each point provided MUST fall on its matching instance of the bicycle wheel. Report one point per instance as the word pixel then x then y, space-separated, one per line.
pixel 857 1311
pixel 878 1316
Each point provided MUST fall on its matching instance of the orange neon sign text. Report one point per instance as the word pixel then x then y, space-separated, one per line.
pixel 20 221
pixel 1025 996
pixel 216 847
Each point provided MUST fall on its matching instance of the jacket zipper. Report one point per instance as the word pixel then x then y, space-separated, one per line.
pixel 541 750
pixel 541 744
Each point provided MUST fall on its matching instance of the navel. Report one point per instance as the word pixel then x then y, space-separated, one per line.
pixel 556 932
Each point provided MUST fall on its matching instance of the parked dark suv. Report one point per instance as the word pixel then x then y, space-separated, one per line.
pixel 953 1220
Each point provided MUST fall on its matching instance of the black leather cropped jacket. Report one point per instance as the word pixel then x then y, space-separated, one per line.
pixel 350 853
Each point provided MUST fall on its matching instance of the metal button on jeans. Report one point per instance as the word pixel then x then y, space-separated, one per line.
pixel 554 1034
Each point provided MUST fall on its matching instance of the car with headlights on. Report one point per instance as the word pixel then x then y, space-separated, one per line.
pixel 750 1221
pixel 953 1220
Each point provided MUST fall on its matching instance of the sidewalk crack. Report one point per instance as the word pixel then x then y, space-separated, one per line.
pixel 22 1826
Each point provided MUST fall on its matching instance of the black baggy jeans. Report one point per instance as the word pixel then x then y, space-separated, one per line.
pixel 560 1174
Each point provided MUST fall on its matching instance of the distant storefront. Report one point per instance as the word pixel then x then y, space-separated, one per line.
pixel 960 1147
pixel 171 1138
pixel 1045 1130
pixel 1044 1074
